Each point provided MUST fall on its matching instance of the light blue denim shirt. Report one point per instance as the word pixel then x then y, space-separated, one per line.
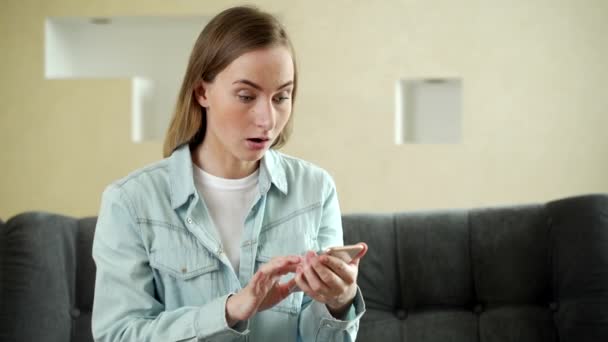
pixel 162 274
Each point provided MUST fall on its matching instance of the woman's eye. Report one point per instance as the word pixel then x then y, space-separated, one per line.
pixel 245 98
pixel 280 99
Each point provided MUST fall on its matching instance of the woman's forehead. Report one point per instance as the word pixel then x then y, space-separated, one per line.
pixel 270 68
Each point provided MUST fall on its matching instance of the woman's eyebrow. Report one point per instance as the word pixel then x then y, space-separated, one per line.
pixel 258 87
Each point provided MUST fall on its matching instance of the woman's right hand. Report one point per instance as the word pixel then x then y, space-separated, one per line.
pixel 263 291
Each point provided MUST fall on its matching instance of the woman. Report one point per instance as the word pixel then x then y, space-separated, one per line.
pixel 217 241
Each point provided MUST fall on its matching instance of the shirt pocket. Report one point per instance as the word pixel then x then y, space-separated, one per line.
pixel 292 234
pixel 186 276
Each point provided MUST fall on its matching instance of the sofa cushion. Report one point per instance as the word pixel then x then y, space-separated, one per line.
pixel 510 255
pixel 434 259
pixel 519 323
pixel 380 325
pixel 440 326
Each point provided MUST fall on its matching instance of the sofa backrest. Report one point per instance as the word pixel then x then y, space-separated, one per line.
pixel 517 273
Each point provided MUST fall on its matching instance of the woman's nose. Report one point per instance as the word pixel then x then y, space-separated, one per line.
pixel 265 115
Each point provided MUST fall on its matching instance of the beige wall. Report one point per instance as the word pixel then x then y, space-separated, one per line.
pixel 535 102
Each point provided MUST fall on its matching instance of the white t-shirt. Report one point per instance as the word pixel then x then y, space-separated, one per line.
pixel 229 202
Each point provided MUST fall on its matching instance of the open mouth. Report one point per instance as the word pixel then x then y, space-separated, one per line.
pixel 258 140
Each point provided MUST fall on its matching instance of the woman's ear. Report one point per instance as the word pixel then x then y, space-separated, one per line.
pixel 200 92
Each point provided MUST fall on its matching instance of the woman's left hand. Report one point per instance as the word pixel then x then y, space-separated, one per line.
pixel 329 280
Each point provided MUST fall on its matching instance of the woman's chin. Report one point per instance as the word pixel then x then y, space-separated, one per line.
pixel 252 156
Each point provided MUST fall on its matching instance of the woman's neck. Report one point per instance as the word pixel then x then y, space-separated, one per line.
pixel 220 163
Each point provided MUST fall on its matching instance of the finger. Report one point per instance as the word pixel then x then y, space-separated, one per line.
pixel 281 265
pixel 303 285
pixel 255 280
pixel 294 285
pixel 311 264
pixel 283 270
pixel 269 282
pixel 266 269
pixel 328 277
pixel 284 289
pixel 344 271
pixel 313 279
pixel 309 257
pixel 274 278
pixel 272 265
pixel 266 281
pixel 290 259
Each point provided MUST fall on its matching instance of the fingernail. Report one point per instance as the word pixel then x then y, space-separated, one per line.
pixel 309 255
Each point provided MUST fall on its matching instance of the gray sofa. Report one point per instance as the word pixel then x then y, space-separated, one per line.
pixel 535 272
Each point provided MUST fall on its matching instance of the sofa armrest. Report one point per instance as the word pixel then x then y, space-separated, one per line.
pixel 47 276
pixel 579 227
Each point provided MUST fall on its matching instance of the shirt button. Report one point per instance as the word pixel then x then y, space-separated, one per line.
pixel 75 313
pixel 189 220
pixel 401 314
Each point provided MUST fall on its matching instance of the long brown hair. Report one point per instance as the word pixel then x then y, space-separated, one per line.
pixel 228 35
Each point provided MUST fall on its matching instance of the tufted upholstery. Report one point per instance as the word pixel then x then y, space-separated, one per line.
pixel 519 273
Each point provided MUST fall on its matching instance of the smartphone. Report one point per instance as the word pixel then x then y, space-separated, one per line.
pixel 346 253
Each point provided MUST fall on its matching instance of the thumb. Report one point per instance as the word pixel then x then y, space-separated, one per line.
pixel 357 258
pixel 286 288
pixel 291 284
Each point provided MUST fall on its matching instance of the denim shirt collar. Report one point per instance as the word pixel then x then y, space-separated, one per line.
pixel 181 178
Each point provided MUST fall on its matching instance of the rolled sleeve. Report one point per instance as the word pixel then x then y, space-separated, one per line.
pixel 354 313
pixel 211 322
pixel 316 320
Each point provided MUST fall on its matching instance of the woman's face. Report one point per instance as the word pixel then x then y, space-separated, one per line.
pixel 248 103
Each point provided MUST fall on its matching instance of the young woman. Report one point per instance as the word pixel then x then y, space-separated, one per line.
pixel 218 241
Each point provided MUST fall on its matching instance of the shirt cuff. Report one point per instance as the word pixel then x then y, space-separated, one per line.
pixel 211 321
pixel 351 314
pixel 356 310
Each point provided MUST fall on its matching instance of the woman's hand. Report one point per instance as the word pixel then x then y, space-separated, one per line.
pixel 330 280
pixel 263 291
